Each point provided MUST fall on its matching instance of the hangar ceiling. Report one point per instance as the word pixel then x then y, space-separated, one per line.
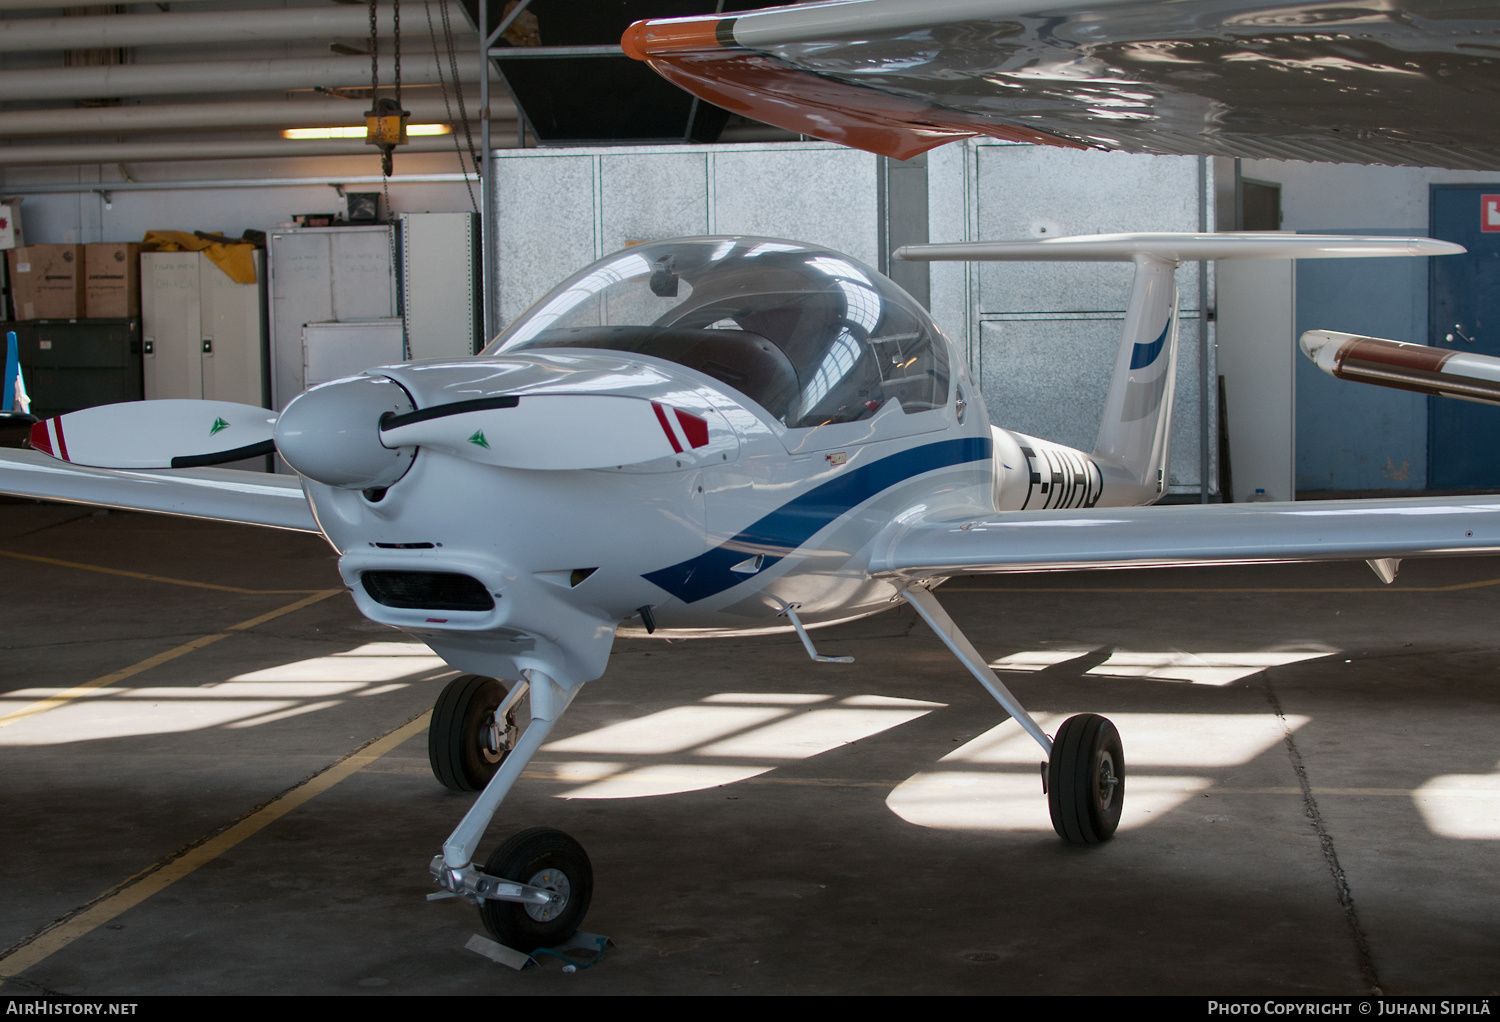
pixel 192 80
pixel 221 79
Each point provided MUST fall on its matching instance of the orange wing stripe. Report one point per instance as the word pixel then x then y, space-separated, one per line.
pixel 764 89
pixel 646 39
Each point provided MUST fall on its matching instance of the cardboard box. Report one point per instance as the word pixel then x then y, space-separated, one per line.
pixel 46 281
pixel 112 279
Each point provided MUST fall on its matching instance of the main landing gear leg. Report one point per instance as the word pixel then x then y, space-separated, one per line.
pixel 1085 768
pixel 535 888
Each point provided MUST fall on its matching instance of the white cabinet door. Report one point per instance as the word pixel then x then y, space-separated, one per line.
pixel 332 351
pixel 171 327
pixel 440 283
pixel 231 326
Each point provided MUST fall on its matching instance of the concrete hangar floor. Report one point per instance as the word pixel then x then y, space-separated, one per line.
pixel 757 823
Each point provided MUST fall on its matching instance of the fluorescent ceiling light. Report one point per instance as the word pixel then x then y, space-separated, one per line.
pixel 359 132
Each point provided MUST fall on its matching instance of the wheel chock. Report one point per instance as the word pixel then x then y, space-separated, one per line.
pixel 498 952
pixel 580 941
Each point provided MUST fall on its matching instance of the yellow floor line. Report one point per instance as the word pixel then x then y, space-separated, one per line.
pixel 1287 589
pixel 150 578
pixel 69 694
pixel 306 601
pixel 168 871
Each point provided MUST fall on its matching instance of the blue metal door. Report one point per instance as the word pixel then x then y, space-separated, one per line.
pixel 1463 438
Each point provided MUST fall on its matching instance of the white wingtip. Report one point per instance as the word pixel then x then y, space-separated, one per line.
pixel 1182 247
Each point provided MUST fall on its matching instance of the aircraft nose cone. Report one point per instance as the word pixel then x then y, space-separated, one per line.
pixel 331 434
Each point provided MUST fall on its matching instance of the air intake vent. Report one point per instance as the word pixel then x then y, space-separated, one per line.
pixel 427 590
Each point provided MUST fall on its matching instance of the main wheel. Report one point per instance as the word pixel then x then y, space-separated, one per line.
pixel 464 744
pixel 547 858
pixel 1086 780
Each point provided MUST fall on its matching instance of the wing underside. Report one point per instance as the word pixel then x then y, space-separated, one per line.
pixel 226 495
pixel 1192 534
pixel 1406 82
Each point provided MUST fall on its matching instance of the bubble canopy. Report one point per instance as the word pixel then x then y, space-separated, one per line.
pixel 810 335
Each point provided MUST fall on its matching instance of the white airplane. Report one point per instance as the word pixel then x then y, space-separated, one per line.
pixel 707 437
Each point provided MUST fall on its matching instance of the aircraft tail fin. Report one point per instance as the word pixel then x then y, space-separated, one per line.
pixel 1131 450
pixel 13 397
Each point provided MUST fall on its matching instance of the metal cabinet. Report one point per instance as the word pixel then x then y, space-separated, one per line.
pixel 323 275
pixel 77 363
pixel 331 351
pixel 203 333
pixel 440 283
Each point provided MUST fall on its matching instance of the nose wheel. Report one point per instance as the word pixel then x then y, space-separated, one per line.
pixel 465 743
pixel 1086 780
pixel 552 861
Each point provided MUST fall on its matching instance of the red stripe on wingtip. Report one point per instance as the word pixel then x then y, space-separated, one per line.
pixel 694 428
pixel 38 438
pixel 666 427
pixel 62 443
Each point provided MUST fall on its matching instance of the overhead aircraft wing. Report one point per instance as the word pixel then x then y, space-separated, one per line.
pixel 1403 82
pixel 223 494
pixel 1190 534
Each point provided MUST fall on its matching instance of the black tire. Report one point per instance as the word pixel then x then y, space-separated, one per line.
pixel 458 737
pixel 1086 780
pixel 538 857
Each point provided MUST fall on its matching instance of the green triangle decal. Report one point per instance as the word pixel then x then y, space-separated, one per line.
pixel 478 438
pixel 219 426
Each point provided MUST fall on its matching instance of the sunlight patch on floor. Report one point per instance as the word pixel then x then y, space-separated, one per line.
pixel 375 661
pixel 1162 665
pixel 1465 806
pixel 1195 668
pixel 759 730
pixel 242 701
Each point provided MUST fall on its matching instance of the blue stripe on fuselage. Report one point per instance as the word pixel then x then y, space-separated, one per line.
pixel 795 522
pixel 1143 355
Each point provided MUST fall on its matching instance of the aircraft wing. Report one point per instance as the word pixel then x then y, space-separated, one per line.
pixel 1191 534
pixel 223 494
pixel 1403 82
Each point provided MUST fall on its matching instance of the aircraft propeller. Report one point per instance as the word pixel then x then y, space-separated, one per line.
pixel 170 433
pixel 362 432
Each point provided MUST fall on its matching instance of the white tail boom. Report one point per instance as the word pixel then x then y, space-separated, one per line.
pixel 1130 456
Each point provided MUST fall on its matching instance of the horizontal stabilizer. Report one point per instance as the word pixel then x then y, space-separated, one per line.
pixel 221 494
pixel 167 433
pixel 1188 534
pixel 1180 248
pixel 1418 367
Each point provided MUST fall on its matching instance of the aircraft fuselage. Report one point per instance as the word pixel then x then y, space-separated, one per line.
pixel 713 539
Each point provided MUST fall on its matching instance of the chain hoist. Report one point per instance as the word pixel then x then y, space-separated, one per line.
pixel 385 121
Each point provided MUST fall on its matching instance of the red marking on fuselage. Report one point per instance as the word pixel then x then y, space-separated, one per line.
pixel 666 427
pixel 694 428
pixel 62 443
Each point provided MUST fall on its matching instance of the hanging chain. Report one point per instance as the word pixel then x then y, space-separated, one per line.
pixel 458 91
pixel 458 87
pixel 396 27
pixel 374 59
